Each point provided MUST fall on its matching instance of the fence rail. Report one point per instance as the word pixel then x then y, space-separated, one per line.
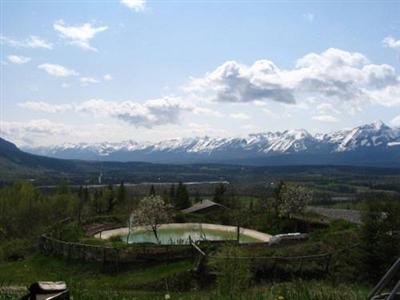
pixel 108 255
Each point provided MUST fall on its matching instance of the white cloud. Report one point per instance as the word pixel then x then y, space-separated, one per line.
pixel 207 111
pixel 107 77
pixel 57 70
pixel 201 129
pixel 392 43
pixel 250 127
pixel 268 112
pixel 388 96
pixel 45 107
pixel 259 103
pixel 19 60
pixel 151 113
pixel 327 108
pixel 233 82
pixel 31 42
pixel 239 116
pixel 88 80
pixel 79 36
pixel 136 5
pixel 325 118
pixel 395 121
pixel 333 75
pixel 30 131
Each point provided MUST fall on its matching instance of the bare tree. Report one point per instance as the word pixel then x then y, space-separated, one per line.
pixel 151 212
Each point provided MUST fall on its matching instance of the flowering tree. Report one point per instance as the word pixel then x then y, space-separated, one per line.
pixel 292 199
pixel 151 212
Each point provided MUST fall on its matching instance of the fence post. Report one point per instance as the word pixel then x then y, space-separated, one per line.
pixel 117 259
pixel 328 262
pixel 301 267
pixel 273 268
pixel 69 252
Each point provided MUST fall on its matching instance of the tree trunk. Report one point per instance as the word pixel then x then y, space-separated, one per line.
pixel 155 234
pixel 128 236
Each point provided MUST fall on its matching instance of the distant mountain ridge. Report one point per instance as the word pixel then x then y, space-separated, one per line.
pixel 374 144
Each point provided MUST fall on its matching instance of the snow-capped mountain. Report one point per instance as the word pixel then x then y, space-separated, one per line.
pixel 367 144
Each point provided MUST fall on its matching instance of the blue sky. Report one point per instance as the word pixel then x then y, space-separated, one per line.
pixel 92 71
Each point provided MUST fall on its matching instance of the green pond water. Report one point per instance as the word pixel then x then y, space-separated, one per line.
pixel 181 236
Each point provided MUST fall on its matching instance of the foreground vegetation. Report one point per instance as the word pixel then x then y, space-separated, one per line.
pixel 89 282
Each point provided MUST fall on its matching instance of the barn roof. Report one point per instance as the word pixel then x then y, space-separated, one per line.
pixel 203 204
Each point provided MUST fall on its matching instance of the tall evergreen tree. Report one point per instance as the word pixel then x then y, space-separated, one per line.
pixel 172 194
pixel 197 197
pixel 165 196
pixel 86 195
pixel 182 197
pixel 219 193
pixel 96 201
pixel 121 193
pixel 152 192
pixel 110 199
pixel 81 195
pixel 278 196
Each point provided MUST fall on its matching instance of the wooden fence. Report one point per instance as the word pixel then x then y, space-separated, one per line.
pixel 273 265
pixel 112 255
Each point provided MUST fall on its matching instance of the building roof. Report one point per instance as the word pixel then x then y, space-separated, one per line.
pixel 203 204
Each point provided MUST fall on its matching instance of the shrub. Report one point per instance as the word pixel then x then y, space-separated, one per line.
pixel 234 273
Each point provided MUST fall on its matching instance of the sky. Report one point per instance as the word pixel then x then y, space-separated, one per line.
pixel 149 70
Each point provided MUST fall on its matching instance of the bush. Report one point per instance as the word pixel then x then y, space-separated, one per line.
pixel 380 245
pixel 234 273
pixel 71 232
pixel 15 249
pixel 180 217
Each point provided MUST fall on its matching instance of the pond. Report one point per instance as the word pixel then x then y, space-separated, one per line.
pixel 181 236
pixel 179 233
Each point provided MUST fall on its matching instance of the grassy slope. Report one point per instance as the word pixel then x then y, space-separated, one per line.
pixel 38 267
pixel 88 282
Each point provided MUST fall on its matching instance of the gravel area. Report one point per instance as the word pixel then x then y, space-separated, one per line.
pixel 352 216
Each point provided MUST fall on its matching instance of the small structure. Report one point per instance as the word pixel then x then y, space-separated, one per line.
pixel 288 238
pixel 45 290
pixel 204 206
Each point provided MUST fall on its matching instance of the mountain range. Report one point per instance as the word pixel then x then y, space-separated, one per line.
pixel 374 144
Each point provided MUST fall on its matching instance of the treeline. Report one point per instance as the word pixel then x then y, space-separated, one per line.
pixel 25 213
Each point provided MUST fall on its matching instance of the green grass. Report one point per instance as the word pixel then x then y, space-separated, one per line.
pixel 296 290
pixel 88 281
pixel 85 276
